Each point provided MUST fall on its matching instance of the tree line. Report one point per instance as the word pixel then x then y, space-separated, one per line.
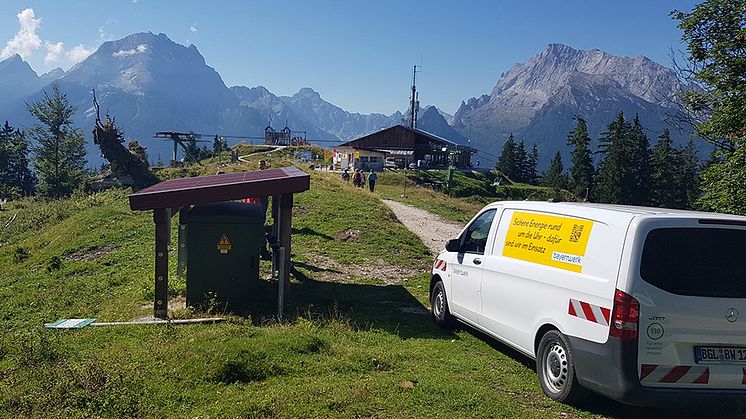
pixel 48 159
pixel 629 171
pixel 53 148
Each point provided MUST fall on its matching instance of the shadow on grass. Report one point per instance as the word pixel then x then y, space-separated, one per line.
pixel 310 232
pixel 390 308
pixel 604 406
pixel 300 276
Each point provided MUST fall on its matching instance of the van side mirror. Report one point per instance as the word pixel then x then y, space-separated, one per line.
pixel 453 245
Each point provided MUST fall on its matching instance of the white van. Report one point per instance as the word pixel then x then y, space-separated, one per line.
pixel 644 305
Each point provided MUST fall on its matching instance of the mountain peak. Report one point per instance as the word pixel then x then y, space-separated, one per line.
pixel 16 63
pixel 307 92
pixel 15 58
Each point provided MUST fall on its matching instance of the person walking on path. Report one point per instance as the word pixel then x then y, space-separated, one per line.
pixel 362 178
pixel 356 179
pixel 372 177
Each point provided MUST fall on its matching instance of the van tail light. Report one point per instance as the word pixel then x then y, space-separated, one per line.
pixel 625 317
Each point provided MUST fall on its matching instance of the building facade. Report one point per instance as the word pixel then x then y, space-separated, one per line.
pixel 400 147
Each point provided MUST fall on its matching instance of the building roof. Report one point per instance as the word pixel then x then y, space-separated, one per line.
pixel 218 188
pixel 429 136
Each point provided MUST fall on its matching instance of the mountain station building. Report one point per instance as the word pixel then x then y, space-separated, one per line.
pixel 400 147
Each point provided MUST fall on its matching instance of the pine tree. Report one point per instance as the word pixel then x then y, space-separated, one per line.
pixel 507 163
pixel 582 170
pixel 664 191
pixel 555 176
pixel 521 162
pixel 60 154
pixel 615 181
pixel 688 175
pixel 16 178
pixel 533 161
pixel 219 145
pixel 639 153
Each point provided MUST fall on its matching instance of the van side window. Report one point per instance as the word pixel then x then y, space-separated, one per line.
pixel 475 237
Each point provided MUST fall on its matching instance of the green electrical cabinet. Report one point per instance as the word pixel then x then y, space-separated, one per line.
pixel 220 243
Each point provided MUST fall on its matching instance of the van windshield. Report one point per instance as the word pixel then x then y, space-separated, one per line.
pixel 707 262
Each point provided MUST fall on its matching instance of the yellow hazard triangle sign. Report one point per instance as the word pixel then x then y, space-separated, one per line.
pixel 224 244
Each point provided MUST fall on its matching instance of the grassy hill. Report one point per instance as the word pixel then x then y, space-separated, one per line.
pixel 358 342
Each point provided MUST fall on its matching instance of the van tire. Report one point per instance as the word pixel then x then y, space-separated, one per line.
pixel 556 369
pixel 439 306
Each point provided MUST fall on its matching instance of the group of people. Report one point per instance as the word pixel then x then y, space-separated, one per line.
pixel 358 178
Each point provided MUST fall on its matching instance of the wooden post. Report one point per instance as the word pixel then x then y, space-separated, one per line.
pixel 280 288
pixel 275 232
pixel 162 219
pixel 286 223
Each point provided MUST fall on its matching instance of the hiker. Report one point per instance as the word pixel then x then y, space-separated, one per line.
pixel 356 179
pixel 346 175
pixel 362 179
pixel 372 177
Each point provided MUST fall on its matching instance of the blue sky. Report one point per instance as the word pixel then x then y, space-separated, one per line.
pixel 357 54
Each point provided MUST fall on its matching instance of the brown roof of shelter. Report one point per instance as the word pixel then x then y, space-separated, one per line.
pixel 217 188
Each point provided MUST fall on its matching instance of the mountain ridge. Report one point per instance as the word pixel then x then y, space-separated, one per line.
pixel 150 83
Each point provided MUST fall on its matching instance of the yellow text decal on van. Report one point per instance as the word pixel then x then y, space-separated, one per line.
pixel 548 240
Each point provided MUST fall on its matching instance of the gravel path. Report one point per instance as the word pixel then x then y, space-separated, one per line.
pixel 433 230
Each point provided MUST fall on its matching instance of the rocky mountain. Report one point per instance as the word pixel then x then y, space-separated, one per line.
pixel 18 79
pixel 149 83
pixel 279 113
pixel 432 120
pixel 537 100
pixel 308 104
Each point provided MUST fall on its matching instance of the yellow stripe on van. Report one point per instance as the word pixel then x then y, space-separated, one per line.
pixel 548 240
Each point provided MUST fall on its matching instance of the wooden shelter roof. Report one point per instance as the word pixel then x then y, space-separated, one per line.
pixel 224 187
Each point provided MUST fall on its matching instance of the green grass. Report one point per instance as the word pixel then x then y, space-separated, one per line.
pixel 354 345
pixel 391 186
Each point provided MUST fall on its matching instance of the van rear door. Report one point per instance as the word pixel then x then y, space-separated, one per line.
pixel 691 287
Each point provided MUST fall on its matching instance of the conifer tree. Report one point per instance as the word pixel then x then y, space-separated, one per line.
pixel 639 154
pixel 506 163
pixel 16 178
pixel 555 176
pixel 60 154
pixel 533 161
pixel 521 160
pixel 665 188
pixel 615 181
pixel 581 169
pixel 219 145
pixel 688 174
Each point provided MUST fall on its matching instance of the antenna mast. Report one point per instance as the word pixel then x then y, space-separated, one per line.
pixel 415 103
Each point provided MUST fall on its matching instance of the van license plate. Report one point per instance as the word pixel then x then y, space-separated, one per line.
pixel 719 355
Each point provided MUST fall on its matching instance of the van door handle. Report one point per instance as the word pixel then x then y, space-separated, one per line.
pixel 477 261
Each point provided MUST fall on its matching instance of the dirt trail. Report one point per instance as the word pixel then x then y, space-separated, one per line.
pixel 433 230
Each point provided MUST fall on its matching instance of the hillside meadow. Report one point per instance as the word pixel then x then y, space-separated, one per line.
pixel 357 342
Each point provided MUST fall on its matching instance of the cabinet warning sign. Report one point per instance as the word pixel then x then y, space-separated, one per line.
pixel 224 244
pixel 548 240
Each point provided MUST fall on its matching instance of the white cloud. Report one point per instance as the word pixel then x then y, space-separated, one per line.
pixel 193 28
pixel 26 40
pixel 127 52
pixel 54 52
pixel 79 53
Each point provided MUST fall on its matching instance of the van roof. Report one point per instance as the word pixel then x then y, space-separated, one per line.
pixel 623 211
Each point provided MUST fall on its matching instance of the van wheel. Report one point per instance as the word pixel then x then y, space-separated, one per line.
pixel 439 306
pixel 556 369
